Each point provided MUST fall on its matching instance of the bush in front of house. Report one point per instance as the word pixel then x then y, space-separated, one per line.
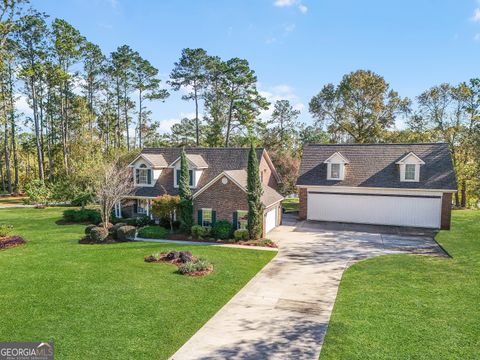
pixel 113 230
pixel 126 233
pixel 6 230
pixel 109 225
pixel 222 229
pixel 98 234
pixel 241 234
pixel 82 215
pixel 89 228
pixel 195 266
pixel 198 231
pixel 153 232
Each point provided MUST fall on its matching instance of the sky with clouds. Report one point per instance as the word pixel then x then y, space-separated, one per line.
pixel 295 46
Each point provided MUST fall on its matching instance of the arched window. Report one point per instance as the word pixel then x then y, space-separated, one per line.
pixel 144 175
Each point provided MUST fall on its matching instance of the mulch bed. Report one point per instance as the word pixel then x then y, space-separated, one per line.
pixel 88 241
pixel 11 241
pixel 183 237
pixel 177 262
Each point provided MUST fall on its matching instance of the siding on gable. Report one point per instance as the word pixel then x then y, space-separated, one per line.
pixel 268 177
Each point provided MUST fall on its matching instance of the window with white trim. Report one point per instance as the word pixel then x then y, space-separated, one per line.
pixel 334 171
pixel 142 205
pixel 242 219
pixel 410 171
pixel 143 175
pixel 207 217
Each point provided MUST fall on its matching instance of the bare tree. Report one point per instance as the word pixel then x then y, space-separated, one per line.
pixel 115 182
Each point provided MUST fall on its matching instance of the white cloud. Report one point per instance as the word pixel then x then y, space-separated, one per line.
pixel 280 92
pixel 288 3
pixel 165 125
pixel 476 37
pixel 289 28
pixel 113 3
pixel 22 106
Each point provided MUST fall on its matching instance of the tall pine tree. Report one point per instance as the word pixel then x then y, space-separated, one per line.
pixel 255 191
pixel 186 205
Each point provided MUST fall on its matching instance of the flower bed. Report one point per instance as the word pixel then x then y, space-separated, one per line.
pixel 187 263
pixel 11 241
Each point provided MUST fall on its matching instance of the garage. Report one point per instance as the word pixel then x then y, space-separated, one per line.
pixel 271 219
pixel 384 209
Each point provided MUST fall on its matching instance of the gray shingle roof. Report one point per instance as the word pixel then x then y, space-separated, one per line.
pixel 157 160
pixel 218 160
pixel 373 165
pixel 269 196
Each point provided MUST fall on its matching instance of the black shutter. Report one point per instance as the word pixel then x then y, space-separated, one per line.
pixel 200 220
pixel 178 177
pixel 135 206
pixel 190 176
pixel 214 216
pixel 137 175
pixel 149 176
pixel 235 220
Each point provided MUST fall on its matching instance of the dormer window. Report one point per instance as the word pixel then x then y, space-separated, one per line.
pixel 177 177
pixel 196 166
pixel 143 175
pixel 336 167
pixel 409 167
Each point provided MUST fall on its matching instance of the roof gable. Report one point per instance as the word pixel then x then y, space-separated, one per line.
pixel 337 158
pixel 196 160
pixel 375 165
pixel 154 160
pixel 410 158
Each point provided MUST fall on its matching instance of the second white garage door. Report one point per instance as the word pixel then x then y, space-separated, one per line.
pixel 270 220
pixel 405 210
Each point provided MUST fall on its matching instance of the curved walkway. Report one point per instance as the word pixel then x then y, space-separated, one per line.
pixel 283 312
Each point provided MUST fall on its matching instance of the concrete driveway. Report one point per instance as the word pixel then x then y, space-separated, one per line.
pixel 283 312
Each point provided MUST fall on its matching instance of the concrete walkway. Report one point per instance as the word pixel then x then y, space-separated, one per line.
pixel 283 312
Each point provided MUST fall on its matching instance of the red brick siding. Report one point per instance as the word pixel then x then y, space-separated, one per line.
pixel 224 199
pixel 446 211
pixel 268 177
pixel 303 206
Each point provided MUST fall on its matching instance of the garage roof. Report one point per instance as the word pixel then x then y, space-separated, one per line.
pixel 374 165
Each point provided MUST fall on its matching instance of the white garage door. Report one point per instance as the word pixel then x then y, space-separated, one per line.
pixel 401 210
pixel 270 220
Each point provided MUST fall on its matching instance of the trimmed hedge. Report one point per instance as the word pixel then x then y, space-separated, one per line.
pixel 126 233
pixel 222 230
pixel 241 234
pixel 198 231
pixel 82 215
pixel 153 232
pixel 98 234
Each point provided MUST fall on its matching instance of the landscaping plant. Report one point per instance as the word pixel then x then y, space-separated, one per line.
pixel 126 233
pixel 153 232
pixel 241 234
pixel 98 234
pixel 254 194
pixel 5 230
pixel 165 206
pixel 222 229
pixel 186 205
pixel 198 231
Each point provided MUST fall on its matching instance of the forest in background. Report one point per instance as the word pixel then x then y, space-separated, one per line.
pixel 88 107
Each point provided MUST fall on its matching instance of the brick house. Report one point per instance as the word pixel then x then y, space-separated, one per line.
pixel 218 180
pixel 386 184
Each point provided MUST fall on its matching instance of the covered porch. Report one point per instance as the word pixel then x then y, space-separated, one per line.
pixel 133 206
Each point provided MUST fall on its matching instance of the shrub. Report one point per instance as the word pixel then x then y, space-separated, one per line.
pixel 222 229
pixel 114 229
pixel 125 233
pixel 109 225
pixel 143 220
pixel 241 234
pixel 153 232
pixel 82 215
pixel 198 231
pixel 38 192
pixel 89 228
pixel 201 264
pixel 5 230
pixel 98 234
pixel 266 242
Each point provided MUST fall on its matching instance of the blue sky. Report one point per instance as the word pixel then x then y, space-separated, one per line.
pixel 294 46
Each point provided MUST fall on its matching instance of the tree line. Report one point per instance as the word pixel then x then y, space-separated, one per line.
pixel 87 107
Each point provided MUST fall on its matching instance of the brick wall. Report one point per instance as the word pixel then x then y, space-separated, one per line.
pixel 268 177
pixel 302 194
pixel 446 211
pixel 223 198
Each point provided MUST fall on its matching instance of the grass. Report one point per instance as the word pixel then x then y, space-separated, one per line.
pixel 290 205
pixel 104 301
pixel 412 307
pixel 153 232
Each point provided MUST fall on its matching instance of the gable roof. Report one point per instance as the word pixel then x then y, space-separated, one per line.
pixel 217 159
pixel 345 160
pixel 155 160
pixel 195 159
pixel 374 165
pixel 410 154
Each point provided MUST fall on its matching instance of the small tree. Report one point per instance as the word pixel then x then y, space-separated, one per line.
pixel 186 205
pixel 38 192
pixel 115 182
pixel 255 191
pixel 165 206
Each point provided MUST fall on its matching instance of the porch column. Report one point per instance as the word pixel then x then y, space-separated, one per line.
pixel 118 210
pixel 149 203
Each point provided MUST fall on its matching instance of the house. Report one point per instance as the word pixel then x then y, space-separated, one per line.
pixel 387 184
pixel 218 180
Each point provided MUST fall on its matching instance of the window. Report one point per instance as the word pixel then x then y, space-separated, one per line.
pixel 335 171
pixel 143 175
pixel 410 171
pixel 207 217
pixel 242 219
pixel 142 206
pixel 190 174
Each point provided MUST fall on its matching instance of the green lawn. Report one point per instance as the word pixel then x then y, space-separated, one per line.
pixel 104 301
pixel 290 205
pixel 412 307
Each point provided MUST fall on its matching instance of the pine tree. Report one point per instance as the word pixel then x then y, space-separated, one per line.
pixel 186 205
pixel 255 191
